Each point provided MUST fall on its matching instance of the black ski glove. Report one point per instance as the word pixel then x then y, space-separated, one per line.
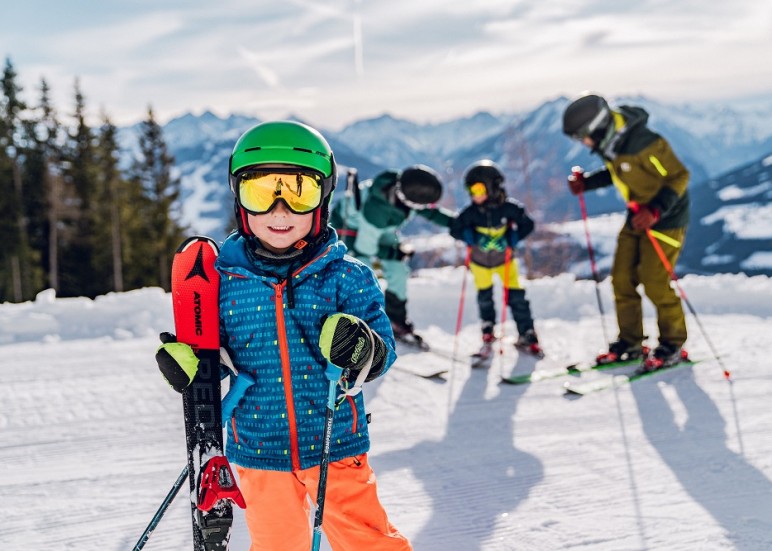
pixel 350 346
pixel 177 362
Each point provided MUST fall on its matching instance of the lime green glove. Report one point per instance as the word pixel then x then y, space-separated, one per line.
pixel 177 362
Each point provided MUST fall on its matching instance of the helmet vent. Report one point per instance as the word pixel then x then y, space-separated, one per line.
pixel 258 148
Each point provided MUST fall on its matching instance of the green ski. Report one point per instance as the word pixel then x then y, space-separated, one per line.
pixel 573 369
pixel 580 389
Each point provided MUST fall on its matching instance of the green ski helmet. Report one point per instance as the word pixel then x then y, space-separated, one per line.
pixel 285 143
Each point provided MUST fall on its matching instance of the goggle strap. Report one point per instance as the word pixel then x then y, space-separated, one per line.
pixel 592 126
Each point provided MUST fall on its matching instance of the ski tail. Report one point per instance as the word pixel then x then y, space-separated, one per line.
pixel 195 299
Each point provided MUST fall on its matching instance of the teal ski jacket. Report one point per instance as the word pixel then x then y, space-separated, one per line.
pixel 278 424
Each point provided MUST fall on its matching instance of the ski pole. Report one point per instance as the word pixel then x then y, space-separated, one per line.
pixel 591 252
pixel 322 488
pixel 162 509
pixel 459 318
pixel 460 315
pixel 352 194
pixel 635 207
pixel 505 300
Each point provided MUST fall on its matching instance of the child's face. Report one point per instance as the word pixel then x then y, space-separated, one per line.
pixel 479 193
pixel 479 199
pixel 280 228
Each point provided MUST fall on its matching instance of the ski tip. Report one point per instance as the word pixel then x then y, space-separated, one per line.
pixel 198 239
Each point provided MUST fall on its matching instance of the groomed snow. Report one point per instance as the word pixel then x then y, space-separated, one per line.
pixel 91 438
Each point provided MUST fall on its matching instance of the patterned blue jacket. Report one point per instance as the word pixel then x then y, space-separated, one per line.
pixel 278 424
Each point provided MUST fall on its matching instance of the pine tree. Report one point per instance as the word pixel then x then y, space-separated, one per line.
pixel 16 256
pixel 80 274
pixel 152 176
pixel 113 201
pixel 48 131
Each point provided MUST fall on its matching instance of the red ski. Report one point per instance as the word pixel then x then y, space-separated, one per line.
pixel 195 299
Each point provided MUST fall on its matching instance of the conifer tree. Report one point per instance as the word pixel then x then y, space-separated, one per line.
pixel 15 258
pixel 112 198
pixel 80 275
pixel 152 174
pixel 48 131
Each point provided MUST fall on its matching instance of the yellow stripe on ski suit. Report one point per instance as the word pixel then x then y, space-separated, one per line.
pixel 665 238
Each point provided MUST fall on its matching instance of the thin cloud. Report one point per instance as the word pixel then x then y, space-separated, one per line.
pixel 336 61
pixel 268 75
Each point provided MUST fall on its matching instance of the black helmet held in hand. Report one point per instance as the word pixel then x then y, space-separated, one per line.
pixel 418 186
pixel 587 116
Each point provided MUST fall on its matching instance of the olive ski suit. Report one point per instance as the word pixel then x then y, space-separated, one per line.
pixel 644 169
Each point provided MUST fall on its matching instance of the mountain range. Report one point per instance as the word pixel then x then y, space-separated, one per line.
pixel 726 148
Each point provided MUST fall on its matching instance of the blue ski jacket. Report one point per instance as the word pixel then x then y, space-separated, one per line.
pixel 279 422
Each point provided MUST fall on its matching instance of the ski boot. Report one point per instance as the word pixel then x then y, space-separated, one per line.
pixel 665 355
pixel 621 351
pixel 481 357
pixel 403 333
pixel 528 342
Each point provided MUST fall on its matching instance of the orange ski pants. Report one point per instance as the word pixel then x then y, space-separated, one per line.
pixel 278 509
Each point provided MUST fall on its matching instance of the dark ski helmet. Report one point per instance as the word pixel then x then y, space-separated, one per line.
pixel 588 116
pixel 291 144
pixel 486 172
pixel 418 186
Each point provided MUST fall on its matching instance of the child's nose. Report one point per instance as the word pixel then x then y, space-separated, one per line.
pixel 280 208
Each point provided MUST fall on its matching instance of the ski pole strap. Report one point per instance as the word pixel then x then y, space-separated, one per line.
pixel 356 388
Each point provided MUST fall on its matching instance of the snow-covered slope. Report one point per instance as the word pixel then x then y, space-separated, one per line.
pixel 91 438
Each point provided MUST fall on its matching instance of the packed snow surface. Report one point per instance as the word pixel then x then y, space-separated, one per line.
pixel 91 437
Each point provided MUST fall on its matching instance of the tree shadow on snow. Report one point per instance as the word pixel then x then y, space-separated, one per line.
pixel 736 494
pixel 475 475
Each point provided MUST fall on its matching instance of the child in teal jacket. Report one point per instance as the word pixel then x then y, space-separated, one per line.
pixel 294 315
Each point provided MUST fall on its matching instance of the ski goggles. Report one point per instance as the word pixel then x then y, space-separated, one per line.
pixel 258 191
pixel 478 189
pixel 589 128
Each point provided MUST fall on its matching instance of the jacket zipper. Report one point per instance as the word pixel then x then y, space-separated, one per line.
pixel 286 374
pixel 353 407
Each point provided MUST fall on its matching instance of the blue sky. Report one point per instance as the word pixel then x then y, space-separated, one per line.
pixel 332 62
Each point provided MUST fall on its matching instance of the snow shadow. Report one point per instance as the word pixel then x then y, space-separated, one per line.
pixel 696 451
pixel 475 476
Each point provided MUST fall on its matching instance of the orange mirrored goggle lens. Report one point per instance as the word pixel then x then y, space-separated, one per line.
pixel 259 191
pixel 478 189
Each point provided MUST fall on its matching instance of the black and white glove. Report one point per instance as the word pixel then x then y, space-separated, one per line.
pixel 351 349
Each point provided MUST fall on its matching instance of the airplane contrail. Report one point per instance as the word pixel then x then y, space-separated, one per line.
pixel 358 55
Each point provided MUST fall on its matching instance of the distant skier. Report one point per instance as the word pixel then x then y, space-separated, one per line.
pixel 653 182
pixel 296 313
pixel 372 235
pixel 493 224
